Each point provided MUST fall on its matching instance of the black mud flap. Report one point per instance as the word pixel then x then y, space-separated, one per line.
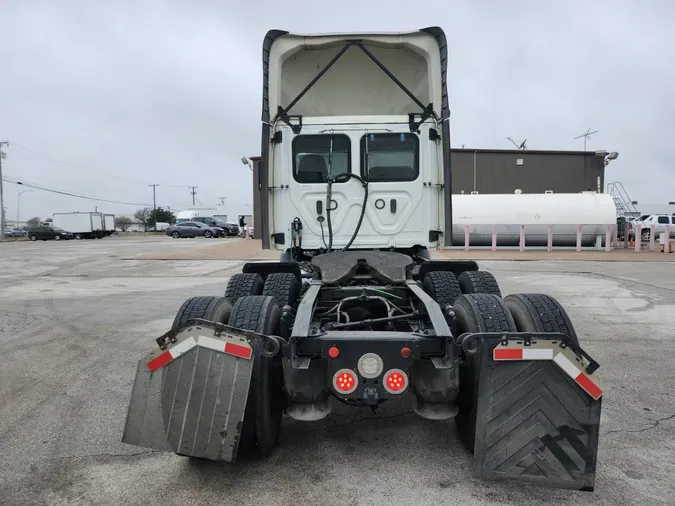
pixel 191 398
pixel 537 412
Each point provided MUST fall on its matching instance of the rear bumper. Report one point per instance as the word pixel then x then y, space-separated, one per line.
pixel 429 364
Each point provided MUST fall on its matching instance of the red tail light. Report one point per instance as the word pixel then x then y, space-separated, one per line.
pixel 345 381
pixel 395 381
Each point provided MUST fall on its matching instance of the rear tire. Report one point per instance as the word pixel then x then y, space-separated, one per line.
pixel 243 284
pixel 205 308
pixel 266 398
pixel 442 286
pixel 175 235
pixel 57 237
pixel 284 287
pixel 537 312
pixel 476 312
pixel 208 234
pixel 479 282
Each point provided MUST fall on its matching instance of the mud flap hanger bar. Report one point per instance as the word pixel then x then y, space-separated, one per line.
pixel 271 344
pixel 526 338
pixel 427 111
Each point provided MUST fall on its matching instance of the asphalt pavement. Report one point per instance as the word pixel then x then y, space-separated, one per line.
pixel 76 316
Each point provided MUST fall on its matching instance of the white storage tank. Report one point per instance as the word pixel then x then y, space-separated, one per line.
pixel 564 211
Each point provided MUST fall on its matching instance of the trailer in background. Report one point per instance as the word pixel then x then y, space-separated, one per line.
pixel 82 225
pixel 109 224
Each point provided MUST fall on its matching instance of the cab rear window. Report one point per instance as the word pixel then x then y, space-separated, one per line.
pixel 315 155
pixel 390 157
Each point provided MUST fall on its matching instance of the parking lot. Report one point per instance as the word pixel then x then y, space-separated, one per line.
pixel 76 316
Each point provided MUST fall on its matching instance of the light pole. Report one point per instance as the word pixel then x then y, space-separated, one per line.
pixel 18 207
pixel 246 161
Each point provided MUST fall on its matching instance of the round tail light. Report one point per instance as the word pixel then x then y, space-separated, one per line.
pixel 345 381
pixel 370 365
pixel 395 381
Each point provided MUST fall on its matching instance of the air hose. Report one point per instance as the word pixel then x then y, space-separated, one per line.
pixel 343 178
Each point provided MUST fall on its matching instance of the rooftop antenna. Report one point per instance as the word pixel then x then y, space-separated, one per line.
pixel 586 135
pixel 521 146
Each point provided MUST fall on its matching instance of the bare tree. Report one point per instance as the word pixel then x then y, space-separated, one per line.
pixel 143 215
pixel 123 223
pixel 34 221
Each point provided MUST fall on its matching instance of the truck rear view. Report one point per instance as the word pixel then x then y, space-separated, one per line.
pixel 355 188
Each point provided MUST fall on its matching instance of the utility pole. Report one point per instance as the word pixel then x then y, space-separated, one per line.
pixel 154 204
pixel 193 193
pixel 2 198
pixel 222 200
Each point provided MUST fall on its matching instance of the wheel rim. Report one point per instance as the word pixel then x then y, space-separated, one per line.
pixel 57 237
pixel 33 238
pixel 175 235
pixel 207 234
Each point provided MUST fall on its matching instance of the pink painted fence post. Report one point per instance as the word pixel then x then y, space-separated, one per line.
pixel 494 237
pixel 522 238
pixel 666 246
pixel 608 238
pixel 466 237
pixel 652 237
pixel 578 237
pixel 549 247
pixel 638 238
pixel 616 236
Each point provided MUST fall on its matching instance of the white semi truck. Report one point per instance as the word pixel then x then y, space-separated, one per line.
pixel 82 225
pixel 355 187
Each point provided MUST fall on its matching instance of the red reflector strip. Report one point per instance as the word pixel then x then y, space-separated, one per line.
pixel 159 361
pixel 238 350
pixel 507 354
pixel 591 388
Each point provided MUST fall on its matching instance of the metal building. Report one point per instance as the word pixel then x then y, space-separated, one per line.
pixel 504 171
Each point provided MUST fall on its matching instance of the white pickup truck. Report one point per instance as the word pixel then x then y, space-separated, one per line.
pixel 659 221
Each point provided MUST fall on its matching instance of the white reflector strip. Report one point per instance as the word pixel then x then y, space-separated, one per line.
pixel 211 343
pixel 532 354
pixel 183 347
pixel 566 365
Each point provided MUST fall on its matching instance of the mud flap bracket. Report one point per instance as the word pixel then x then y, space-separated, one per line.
pixel 537 420
pixel 191 397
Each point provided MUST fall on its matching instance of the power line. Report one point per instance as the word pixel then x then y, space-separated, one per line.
pixel 37 186
pixel 45 156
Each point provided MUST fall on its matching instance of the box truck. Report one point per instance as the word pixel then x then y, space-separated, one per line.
pixel 82 225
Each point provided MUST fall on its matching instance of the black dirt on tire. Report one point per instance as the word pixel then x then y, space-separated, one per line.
pixel 537 312
pixel 476 312
pixel 243 284
pixel 197 307
pixel 266 398
pixel 284 287
pixel 442 286
pixel 479 282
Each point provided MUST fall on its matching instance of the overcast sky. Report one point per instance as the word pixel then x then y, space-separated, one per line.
pixel 169 92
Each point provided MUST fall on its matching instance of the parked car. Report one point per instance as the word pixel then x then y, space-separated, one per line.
pixel 193 229
pixel 46 233
pixel 210 221
pixel 14 232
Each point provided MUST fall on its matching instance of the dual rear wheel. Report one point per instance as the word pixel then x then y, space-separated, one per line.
pixel 251 304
